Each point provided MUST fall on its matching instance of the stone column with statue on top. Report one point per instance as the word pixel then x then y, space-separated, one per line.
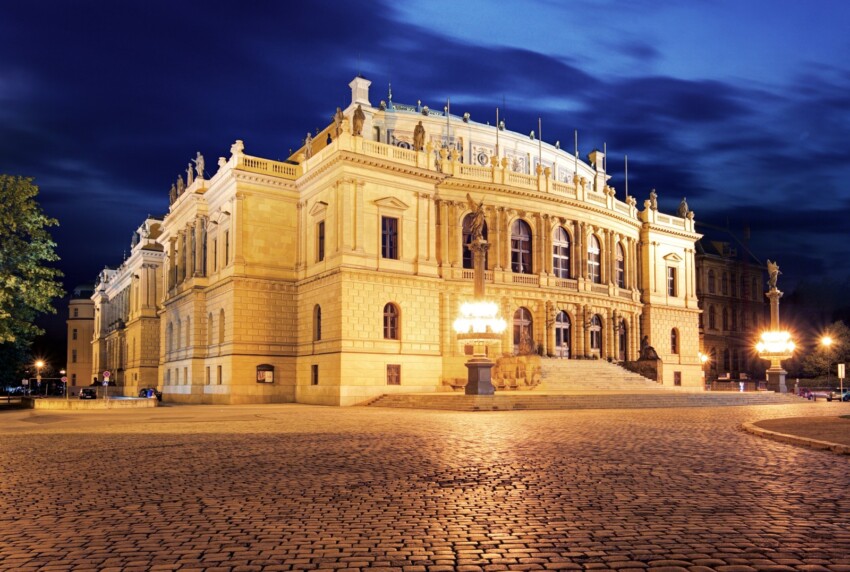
pixel 775 344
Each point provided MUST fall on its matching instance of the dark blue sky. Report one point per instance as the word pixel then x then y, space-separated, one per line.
pixel 743 107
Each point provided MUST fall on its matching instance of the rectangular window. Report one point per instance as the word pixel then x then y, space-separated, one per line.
pixel 215 254
pixel 393 374
pixel 74 334
pixel 176 376
pixel 167 377
pixel 677 378
pixel 389 237
pixel 73 379
pixel 73 356
pixel 208 375
pixel 314 374
pixel 185 376
pixel 218 374
pixel 320 241
pixel 226 247
pixel 671 281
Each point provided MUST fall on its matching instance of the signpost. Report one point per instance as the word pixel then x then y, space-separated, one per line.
pixel 65 383
pixel 841 379
pixel 106 375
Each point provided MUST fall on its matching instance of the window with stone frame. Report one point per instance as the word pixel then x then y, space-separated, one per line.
pixel 391 322
pixel 521 247
pixel 712 285
pixel 594 260
pixel 621 267
pixel 671 281
pixel 317 323
pixel 320 241
pixel 561 253
pixel 674 341
pixel 389 237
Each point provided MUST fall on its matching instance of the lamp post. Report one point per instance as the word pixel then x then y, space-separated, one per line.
pixel 64 382
pixel 703 359
pixel 826 342
pixel 38 365
pixel 775 345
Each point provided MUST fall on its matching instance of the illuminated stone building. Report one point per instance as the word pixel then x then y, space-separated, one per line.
pixel 334 277
pixel 80 324
pixel 731 289
pixel 126 325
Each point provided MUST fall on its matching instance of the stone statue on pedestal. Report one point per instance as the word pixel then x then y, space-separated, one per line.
pixel 189 174
pixel 477 227
pixel 772 274
pixel 199 165
pixel 359 118
pixel 653 200
pixel 308 145
pixel 683 208
pixel 418 137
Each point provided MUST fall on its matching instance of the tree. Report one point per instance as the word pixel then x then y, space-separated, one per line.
pixel 27 284
pixel 823 358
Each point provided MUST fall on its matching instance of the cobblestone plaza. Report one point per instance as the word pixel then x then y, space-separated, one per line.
pixel 294 487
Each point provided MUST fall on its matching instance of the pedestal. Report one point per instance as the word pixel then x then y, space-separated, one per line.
pixel 478 377
pixel 776 380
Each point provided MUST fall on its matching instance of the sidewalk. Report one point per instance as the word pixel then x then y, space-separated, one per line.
pixel 830 433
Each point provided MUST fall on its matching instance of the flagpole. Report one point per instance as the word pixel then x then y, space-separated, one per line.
pixel 575 158
pixel 627 178
pixel 497 135
pixel 448 129
pixel 540 144
pixel 605 156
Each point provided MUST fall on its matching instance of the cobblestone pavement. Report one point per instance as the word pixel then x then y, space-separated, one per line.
pixel 295 487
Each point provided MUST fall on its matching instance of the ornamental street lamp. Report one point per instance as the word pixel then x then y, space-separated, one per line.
pixel 38 365
pixel 775 345
pixel 479 322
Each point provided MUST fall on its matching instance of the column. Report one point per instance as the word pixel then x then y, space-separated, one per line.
pixel 452 242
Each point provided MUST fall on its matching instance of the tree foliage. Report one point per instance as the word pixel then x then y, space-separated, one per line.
pixel 823 359
pixel 28 285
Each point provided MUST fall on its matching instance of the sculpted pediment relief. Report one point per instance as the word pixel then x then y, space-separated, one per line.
pixel 319 208
pixel 392 203
pixel 673 257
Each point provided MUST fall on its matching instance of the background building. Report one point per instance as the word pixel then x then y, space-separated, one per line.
pixel 731 288
pixel 80 334
pixel 335 276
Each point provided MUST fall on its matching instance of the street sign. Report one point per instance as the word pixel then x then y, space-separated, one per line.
pixel 841 371
pixel 64 379
pixel 106 374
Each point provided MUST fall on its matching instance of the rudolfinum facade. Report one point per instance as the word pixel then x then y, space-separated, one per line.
pixel 335 276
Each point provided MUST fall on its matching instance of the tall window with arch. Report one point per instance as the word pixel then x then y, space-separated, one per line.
pixel 621 266
pixel 726 367
pixel 594 255
pixel 595 333
pixel 317 323
pixel 523 323
pixel 712 318
pixel 467 240
pixel 724 284
pixel 674 341
pixel 725 319
pixel 210 328
pixel 712 285
pixel 563 339
pixel 521 247
pixel 391 322
pixel 169 337
pixel 561 253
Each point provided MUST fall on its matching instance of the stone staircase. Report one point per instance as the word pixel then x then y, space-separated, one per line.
pixel 583 384
pixel 537 400
pixel 558 375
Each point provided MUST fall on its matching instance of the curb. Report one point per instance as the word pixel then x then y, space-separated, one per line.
pixel 795 440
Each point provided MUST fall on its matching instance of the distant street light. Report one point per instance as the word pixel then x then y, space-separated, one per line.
pixel 826 342
pixel 38 365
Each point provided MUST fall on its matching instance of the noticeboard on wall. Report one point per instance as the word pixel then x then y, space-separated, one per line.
pixel 265 373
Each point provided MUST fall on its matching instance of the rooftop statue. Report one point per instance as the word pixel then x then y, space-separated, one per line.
pixel 181 186
pixel 418 137
pixel 772 274
pixel 199 165
pixel 172 194
pixel 653 200
pixel 338 116
pixel 189 174
pixel 308 145
pixel 683 208
pixel 477 227
pixel 359 118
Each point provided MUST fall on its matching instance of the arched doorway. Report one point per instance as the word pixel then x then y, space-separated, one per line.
pixel 622 341
pixel 562 335
pixel 522 331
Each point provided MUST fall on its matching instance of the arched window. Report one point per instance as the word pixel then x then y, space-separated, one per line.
pixel 178 337
pixel 674 341
pixel 734 321
pixel 621 266
pixel 188 332
pixel 593 260
pixel 221 326
pixel 724 284
pixel 712 287
pixel 169 337
pixel 725 319
pixel 210 328
pixel 726 367
pixel 735 361
pixel 317 323
pixel 596 333
pixel 522 330
pixel 712 318
pixel 733 285
pixel 743 321
pixel 562 335
pixel 391 322
pixel 561 253
pixel 467 239
pixel 521 247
